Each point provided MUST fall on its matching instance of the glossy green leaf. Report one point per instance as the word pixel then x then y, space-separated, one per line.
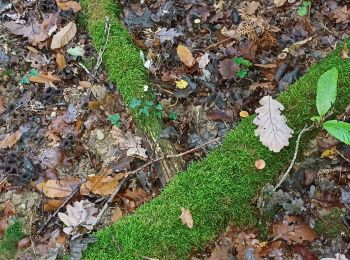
pixel 326 91
pixel 339 129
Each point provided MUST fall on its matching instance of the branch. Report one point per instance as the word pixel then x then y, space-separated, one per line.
pixel 100 54
pixel 305 129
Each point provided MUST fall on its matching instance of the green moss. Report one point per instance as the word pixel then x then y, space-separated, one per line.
pixel 121 58
pixel 331 224
pixel 11 237
pixel 219 188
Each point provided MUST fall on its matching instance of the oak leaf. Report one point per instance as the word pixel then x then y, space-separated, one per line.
pixel 45 78
pixel 185 55
pixel 76 7
pixel 66 34
pixel 58 188
pixel 272 127
pixel 101 185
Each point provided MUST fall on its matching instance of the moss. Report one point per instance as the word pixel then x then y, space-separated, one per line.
pixel 331 224
pixel 219 188
pixel 121 58
pixel 11 237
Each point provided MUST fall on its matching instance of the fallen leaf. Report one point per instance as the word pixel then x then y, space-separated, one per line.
pixel 292 230
pixel 251 7
pixel 168 34
pixel 85 84
pixel 185 55
pixel 266 66
pixel 228 68
pixel 78 215
pixel 2 104
pixel 60 60
pixel 69 5
pixel 186 217
pixel 10 139
pixel 58 188
pixel 100 184
pixel 66 34
pixel 265 85
pixel 45 78
pixel 203 60
pixel 52 204
pixel 279 3
pixel 222 250
pixel 342 15
pixel 344 53
pixel 272 127
pixel 181 84
pixel 118 214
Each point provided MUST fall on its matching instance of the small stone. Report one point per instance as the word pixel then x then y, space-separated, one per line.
pixel 100 135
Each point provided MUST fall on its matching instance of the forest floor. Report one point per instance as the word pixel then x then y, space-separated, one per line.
pixel 67 138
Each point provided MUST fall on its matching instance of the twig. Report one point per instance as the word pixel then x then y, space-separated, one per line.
pixel 215 44
pixel 100 54
pixel 130 174
pixel 87 71
pixel 342 156
pixel 305 129
pixel 63 204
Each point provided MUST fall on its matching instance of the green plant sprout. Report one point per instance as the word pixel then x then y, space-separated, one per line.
pixel 173 115
pixel 31 73
pixel 244 65
pixel 326 96
pixel 146 107
pixel 115 119
pixel 304 8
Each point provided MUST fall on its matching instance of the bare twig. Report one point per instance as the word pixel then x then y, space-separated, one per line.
pixel 305 129
pixel 87 71
pixel 130 174
pixel 101 52
pixel 215 44
pixel 63 204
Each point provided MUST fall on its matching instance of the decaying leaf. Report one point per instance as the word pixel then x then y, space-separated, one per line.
pixel 344 53
pixel 203 60
pixel 118 214
pixel 292 230
pixel 185 55
pixel 60 60
pixel 342 15
pixel 272 127
pixel 69 5
pixel 222 250
pixel 100 184
pixel 10 139
pixel 58 188
pixel 81 214
pixel 66 34
pixel 279 3
pixel 2 104
pixel 45 78
pixel 168 34
pixel 186 217
pixel 52 204
pixel 228 69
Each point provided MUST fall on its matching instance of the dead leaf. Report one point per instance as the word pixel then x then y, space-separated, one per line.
pixel 265 85
pixel 135 194
pixel 185 55
pixel 60 60
pixel 222 250
pixel 279 3
pixel 81 214
pixel 266 66
pixel 272 128
pixel 10 139
pixel 45 78
pixel 52 204
pixel 292 230
pixel 251 7
pixel 85 84
pixel 186 217
pixel 344 53
pixel 69 5
pixel 342 15
pixel 66 34
pixel 101 184
pixel 228 68
pixel 118 214
pixel 203 60
pixel 2 104
pixel 58 188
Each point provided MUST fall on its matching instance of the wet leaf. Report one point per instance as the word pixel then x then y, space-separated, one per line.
pixel 186 217
pixel 66 34
pixel 185 55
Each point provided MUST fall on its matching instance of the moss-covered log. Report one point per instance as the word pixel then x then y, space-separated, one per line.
pixel 217 189
pixel 125 68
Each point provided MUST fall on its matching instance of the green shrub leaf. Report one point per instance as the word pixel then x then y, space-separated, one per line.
pixel 326 91
pixel 339 129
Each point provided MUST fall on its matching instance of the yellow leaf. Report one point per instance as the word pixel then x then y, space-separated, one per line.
pixel 181 84
pixel 329 153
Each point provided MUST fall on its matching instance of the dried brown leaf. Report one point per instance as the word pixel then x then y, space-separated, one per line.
pixel 45 78
pixel 100 184
pixel 228 68
pixel 279 3
pixel 10 139
pixel 58 188
pixel 66 34
pixel 186 217
pixel 344 53
pixel 60 60
pixel 2 104
pixel 185 55
pixel 69 5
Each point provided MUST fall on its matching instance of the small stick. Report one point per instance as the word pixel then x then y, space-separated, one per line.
pixel 215 44
pixel 130 174
pixel 63 204
pixel 87 71
pixel 100 54
pixel 305 129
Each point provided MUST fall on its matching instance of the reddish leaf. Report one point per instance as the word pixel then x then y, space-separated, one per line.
pixel 228 69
